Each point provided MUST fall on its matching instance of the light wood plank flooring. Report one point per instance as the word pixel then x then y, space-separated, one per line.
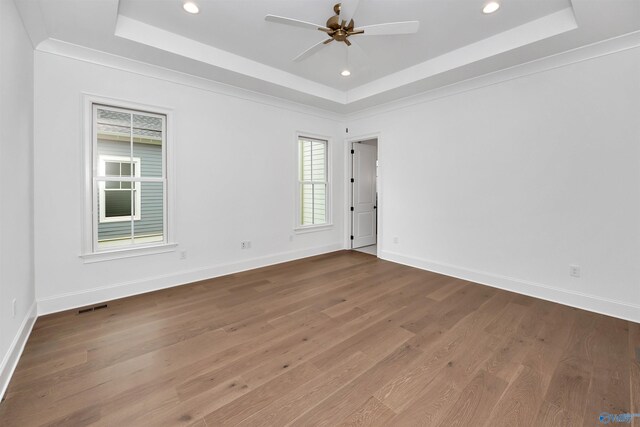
pixel 338 339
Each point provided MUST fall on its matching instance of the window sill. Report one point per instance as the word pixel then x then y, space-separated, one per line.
pixel 128 252
pixel 312 228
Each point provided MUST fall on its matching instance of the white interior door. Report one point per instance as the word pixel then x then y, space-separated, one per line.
pixel 364 224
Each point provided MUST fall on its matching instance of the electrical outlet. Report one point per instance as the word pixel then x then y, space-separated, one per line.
pixel 245 245
pixel 574 270
pixel 13 308
pixel 396 240
pixel 183 254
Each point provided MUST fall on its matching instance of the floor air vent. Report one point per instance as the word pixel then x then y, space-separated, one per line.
pixel 90 309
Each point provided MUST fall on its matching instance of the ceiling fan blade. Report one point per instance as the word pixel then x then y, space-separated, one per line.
pixel 295 23
pixel 347 10
pixel 390 28
pixel 313 49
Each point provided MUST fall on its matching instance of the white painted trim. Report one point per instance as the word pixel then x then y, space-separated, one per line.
pixel 594 303
pixel 312 228
pixel 539 29
pixel 149 35
pixel 348 197
pixel 334 111
pixel 12 356
pixel 72 300
pixel 102 160
pixel 132 66
pixel 526 34
pixel 89 170
pixel 541 65
pixel 298 228
pixel 128 252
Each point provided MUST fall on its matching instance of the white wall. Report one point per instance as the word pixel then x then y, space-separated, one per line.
pixel 511 183
pixel 16 207
pixel 235 180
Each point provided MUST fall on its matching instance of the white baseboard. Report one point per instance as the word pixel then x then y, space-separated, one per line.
pixel 83 298
pixel 620 309
pixel 10 360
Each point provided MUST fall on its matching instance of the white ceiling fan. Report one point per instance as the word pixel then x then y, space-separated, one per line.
pixel 341 26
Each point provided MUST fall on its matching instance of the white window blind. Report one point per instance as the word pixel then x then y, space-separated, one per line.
pixel 313 181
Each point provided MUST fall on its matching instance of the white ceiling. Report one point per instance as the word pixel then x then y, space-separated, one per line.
pixel 229 41
pixel 238 26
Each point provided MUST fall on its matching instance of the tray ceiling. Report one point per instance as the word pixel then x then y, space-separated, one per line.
pixel 229 41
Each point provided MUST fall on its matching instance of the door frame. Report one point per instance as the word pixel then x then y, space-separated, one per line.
pixel 348 189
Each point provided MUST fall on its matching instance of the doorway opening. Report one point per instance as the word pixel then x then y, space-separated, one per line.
pixel 364 196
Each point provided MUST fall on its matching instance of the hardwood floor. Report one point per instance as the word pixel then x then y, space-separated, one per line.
pixel 338 339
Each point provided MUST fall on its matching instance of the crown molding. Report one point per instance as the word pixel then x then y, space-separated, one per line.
pixel 167 41
pixel 523 35
pixel 210 68
pixel 563 59
pixel 96 57
pixel 335 112
pixel 526 34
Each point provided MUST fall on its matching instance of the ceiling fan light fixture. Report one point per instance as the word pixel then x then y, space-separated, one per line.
pixel 190 7
pixel 345 73
pixel 490 7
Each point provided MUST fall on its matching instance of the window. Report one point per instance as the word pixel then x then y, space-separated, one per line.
pixel 313 182
pixel 129 182
pixel 115 196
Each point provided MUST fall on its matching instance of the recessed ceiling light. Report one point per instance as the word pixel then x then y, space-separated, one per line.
pixel 191 7
pixel 490 7
pixel 345 73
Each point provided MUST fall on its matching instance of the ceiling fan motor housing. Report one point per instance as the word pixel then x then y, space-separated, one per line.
pixel 339 32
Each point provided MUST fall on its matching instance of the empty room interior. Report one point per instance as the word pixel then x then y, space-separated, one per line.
pixel 287 212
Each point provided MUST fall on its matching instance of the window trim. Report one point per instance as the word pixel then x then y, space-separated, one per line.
pixel 89 251
pixel 102 159
pixel 298 227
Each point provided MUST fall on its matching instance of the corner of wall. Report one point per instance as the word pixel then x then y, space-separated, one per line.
pixel 11 358
pixel 594 303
